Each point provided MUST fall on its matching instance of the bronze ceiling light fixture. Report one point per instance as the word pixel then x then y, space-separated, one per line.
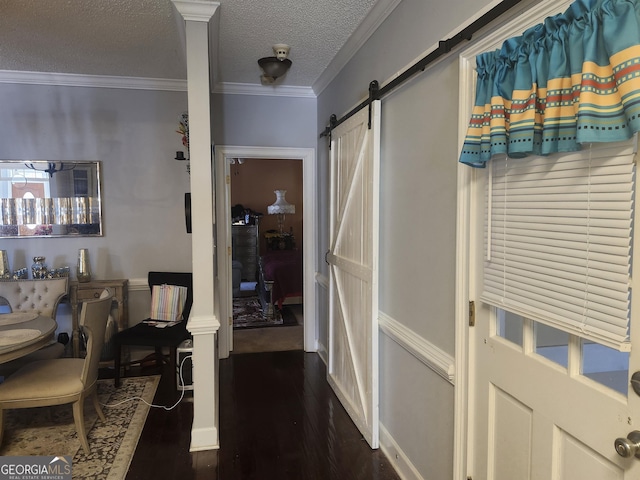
pixel 277 66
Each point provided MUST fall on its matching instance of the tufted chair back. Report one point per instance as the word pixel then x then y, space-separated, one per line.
pixel 41 296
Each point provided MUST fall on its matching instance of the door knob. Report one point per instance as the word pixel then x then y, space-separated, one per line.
pixel 630 446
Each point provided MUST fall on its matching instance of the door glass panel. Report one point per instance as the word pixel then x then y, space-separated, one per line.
pixel 606 366
pixel 509 326
pixel 552 344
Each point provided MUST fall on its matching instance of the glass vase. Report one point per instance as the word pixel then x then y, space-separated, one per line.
pixel 83 270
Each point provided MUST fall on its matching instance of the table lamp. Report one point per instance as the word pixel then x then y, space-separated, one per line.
pixel 281 207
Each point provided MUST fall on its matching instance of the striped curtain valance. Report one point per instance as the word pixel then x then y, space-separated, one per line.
pixel 571 80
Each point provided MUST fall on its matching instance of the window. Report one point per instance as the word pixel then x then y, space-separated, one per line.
pixel 558 234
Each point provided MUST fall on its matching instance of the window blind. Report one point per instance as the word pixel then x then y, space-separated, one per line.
pixel 558 240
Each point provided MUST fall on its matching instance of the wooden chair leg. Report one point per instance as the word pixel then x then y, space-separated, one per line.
pixel 172 367
pixel 1 424
pixel 116 364
pixel 160 361
pixel 97 406
pixel 78 418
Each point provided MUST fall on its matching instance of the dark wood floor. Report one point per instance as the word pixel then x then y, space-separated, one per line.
pixel 279 419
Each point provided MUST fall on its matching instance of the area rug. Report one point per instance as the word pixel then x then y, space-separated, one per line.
pixel 51 431
pixel 247 313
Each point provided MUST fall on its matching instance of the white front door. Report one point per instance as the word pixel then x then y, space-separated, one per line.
pixel 546 404
pixel 353 264
pixel 542 404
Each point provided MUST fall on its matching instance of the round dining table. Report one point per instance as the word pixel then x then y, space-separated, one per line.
pixel 24 332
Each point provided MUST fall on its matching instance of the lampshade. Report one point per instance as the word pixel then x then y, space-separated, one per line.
pixel 281 206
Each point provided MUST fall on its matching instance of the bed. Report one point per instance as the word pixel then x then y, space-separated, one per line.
pixel 279 280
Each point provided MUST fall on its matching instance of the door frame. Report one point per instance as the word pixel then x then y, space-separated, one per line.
pixel 466 177
pixel 223 155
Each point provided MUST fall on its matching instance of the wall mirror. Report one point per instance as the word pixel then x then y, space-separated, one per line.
pixel 50 199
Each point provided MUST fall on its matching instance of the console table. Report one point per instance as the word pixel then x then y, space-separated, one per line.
pixel 80 291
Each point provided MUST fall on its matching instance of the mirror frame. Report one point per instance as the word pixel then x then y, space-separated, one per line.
pixel 76 215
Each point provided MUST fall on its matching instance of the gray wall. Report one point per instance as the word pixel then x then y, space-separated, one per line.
pixel 417 218
pixel 132 132
pixel 260 121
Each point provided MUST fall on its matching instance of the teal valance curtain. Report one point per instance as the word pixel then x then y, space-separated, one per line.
pixel 571 80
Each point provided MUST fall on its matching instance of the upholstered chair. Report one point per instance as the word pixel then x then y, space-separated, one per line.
pixel 63 380
pixel 41 296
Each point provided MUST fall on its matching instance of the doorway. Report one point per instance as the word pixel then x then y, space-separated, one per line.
pixel 266 237
pixel 224 156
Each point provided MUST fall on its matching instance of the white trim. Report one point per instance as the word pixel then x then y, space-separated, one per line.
pixel 463 396
pixel 144 83
pixel 399 460
pixel 138 285
pixel 203 324
pixel 96 81
pixel 196 10
pixel 433 357
pixel 322 280
pixel 323 353
pixel 378 14
pixel 200 439
pixel 309 236
pixel 266 90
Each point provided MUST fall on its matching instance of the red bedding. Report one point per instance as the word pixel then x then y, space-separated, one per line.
pixel 284 268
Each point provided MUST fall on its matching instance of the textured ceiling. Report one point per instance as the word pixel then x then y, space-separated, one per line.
pixel 145 38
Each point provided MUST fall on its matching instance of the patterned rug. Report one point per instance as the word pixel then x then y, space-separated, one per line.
pixel 51 431
pixel 247 313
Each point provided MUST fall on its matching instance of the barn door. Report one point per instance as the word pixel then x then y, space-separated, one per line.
pixel 353 264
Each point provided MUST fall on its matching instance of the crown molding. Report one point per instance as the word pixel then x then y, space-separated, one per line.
pixel 143 83
pixel 196 10
pixel 98 81
pixel 265 90
pixel 378 13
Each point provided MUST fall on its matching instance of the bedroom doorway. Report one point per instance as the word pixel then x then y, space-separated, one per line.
pixel 266 250
pixel 243 218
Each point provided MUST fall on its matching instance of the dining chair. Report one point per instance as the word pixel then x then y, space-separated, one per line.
pixel 63 380
pixel 37 295
pixel 145 335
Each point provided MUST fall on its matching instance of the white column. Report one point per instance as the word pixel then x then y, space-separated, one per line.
pixel 203 323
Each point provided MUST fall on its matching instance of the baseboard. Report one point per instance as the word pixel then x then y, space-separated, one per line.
pixel 204 439
pixel 401 464
pixel 138 284
pixel 322 352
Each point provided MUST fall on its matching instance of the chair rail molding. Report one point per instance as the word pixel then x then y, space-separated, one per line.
pixel 433 357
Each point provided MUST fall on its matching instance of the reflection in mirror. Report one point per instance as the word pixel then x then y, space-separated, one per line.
pixel 50 199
